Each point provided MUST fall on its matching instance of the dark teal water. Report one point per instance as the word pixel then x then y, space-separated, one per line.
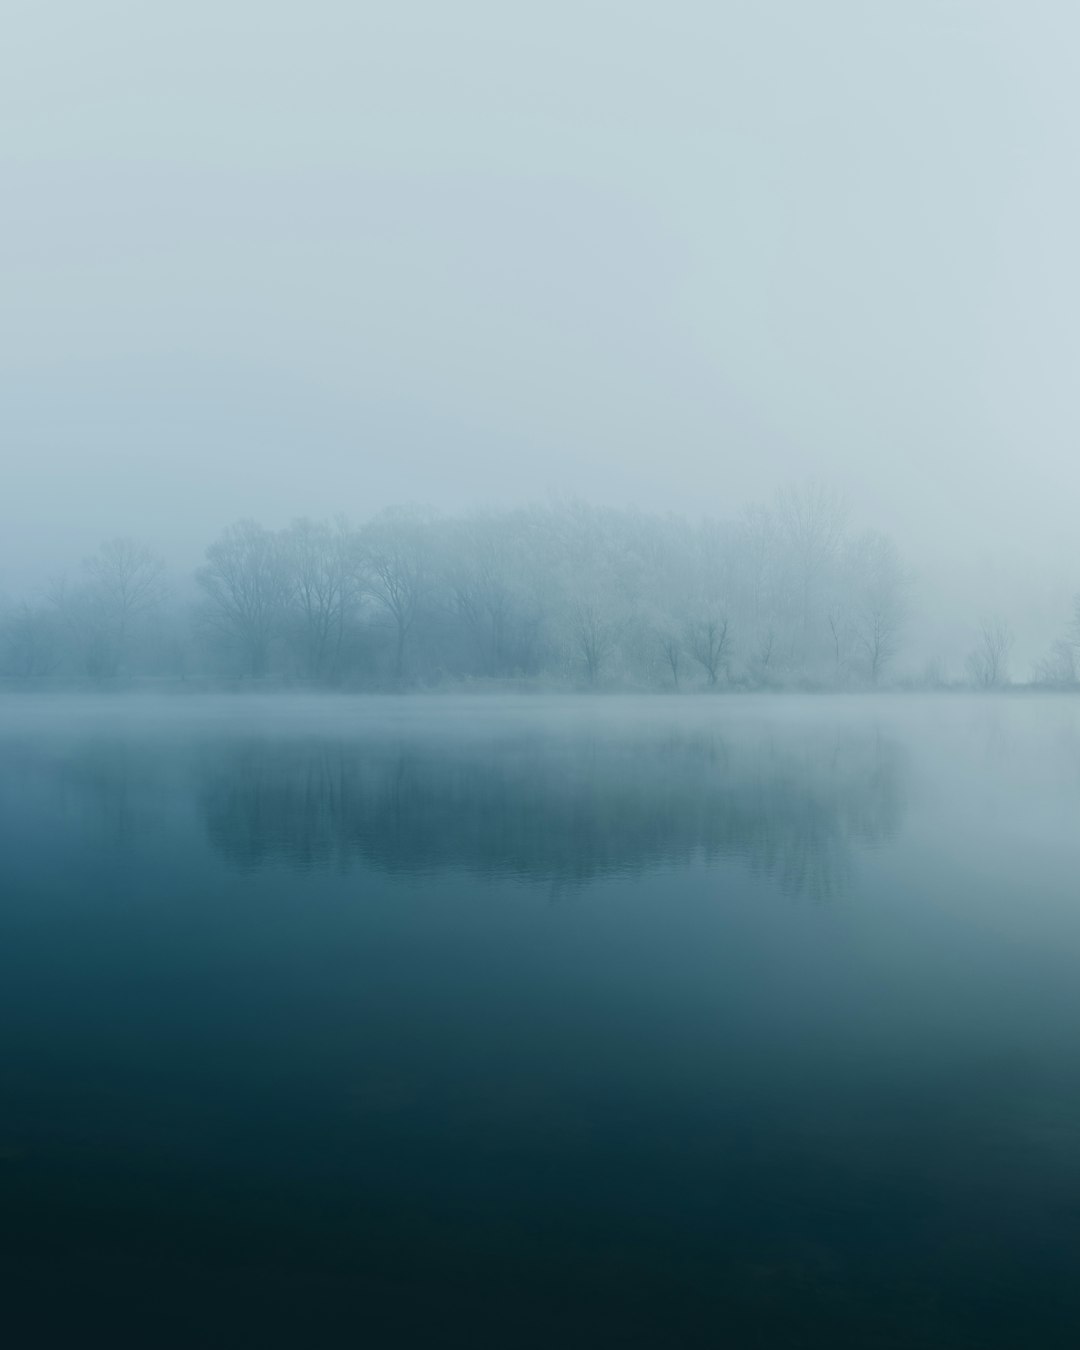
pixel 704 1022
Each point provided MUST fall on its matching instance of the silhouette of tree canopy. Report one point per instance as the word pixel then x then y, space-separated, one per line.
pixel 566 594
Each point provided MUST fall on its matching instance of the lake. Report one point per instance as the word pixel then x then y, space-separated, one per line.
pixel 540 1022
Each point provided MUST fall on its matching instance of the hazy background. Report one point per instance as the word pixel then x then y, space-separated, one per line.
pixel 274 259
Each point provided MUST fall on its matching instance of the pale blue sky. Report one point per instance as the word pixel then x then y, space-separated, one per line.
pixel 278 258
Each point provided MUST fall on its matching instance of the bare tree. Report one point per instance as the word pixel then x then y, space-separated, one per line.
pixel 594 584
pixel 248 585
pixel 840 633
pixel 490 591
pixel 124 583
pixel 672 649
pixel 760 665
pixel 396 550
pixel 811 522
pixel 595 629
pixel 708 641
pixel 666 565
pixel 1061 666
pixel 880 585
pixel 579 592
pixel 324 559
pixel 128 576
pixel 988 663
pixel 709 584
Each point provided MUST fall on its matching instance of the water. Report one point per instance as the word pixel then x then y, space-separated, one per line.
pixel 701 1022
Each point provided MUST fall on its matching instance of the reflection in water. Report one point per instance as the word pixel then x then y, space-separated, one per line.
pixel 773 1124
pixel 555 809
pixel 539 804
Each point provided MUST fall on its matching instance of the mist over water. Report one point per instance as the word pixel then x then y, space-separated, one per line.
pixel 539 675
pixel 655 1019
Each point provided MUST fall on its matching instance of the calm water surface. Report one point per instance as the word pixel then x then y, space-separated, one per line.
pixel 704 1022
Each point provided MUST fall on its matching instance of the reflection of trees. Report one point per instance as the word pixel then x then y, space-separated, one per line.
pixel 554 808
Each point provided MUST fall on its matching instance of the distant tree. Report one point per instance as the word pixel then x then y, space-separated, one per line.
pixel 597 580
pixel 841 625
pixel 1061 666
pixel 595 630
pixel 123 584
pixel 568 590
pixel 248 585
pixel 760 664
pixel 711 573
pixel 127 582
pixel 129 577
pixel 988 663
pixel 325 563
pixel 672 648
pixel 665 568
pixel 708 641
pixel 396 548
pixel 880 602
pixel 490 587
pixel 810 528
pixel 760 601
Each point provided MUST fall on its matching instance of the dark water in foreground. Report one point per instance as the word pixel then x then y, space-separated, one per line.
pixel 716 1022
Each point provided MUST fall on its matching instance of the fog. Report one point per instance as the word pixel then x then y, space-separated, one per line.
pixel 279 261
pixel 539 674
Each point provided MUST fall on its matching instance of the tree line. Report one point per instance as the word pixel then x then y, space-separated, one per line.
pixel 565 592
pixel 1061 665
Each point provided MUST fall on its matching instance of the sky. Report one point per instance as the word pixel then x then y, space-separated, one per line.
pixel 275 259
